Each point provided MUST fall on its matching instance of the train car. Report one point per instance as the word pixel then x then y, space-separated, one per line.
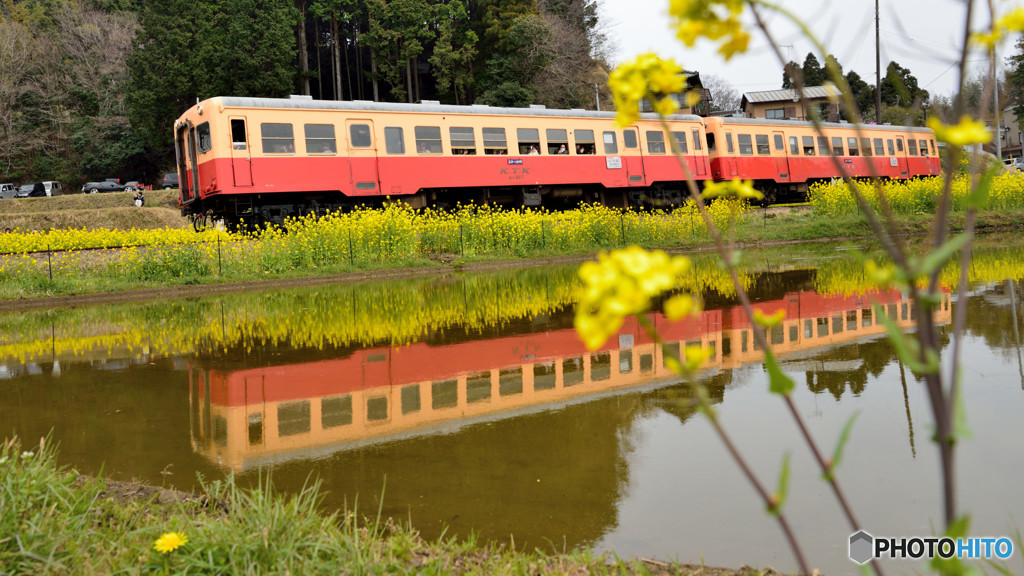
pixel 257 161
pixel 785 157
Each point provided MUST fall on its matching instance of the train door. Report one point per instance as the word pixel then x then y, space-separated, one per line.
pixel 362 157
pixel 376 368
pixel 187 156
pixel 241 163
pixel 781 156
pixel 901 157
pixel 255 409
pixel 729 158
pixel 632 162
pixel 698 150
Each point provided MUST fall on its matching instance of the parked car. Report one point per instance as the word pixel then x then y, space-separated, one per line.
pixel 35 190
pixel 105 186
pixel 7 190
pixel 53 188
pixel 170 181
pixel 133 186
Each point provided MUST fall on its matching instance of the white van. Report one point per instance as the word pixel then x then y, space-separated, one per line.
pixel 7 190
pixel 53 188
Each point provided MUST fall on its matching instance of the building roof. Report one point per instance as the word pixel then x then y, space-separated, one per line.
pixel 788 95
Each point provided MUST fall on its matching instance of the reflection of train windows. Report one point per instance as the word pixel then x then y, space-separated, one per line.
pixel 743 341
pixel 220 430
pixel 293 418
pixel 255 428
pixel 892 311
pixel 837 324
pixel 646 363
pixel 669 350
pixel 336 411
pixel 714 352
pixel 822 327
pixel 726 347
pixel 411 398
pixel 625 361
pixel 808 328
pixel 760 331
pixel 866 318
pixel 377 408
pixel 544 376
pixel 510 381
pixel 572 371
pixel 794 333
pixel 778 334
pixel 478 387
pixel 600 366
pixel 444 394
pixel 851 320
pixel 903 311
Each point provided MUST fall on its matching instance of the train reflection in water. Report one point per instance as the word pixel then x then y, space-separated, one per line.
pixel 246 418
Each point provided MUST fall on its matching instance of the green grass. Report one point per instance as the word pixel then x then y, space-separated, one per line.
pixel 53 521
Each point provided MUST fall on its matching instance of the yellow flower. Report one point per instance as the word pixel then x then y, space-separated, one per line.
pixel 965 133
pixel 739 188
pixel 769 321
pixel 716 20
pixel 621 284
pixel 647 76
pixel 170 542
pixel 680 306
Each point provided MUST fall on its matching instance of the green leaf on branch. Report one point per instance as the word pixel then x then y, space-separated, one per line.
pixel 958 529
pixel 837 455
pixel 778 382
pixel 907 348
pixel 960 429
pixel 778 500
pixel 978 198
pixel 937 258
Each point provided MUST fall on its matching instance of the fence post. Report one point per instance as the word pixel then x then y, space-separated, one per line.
pixel 220 267
pixel 462 240
pixel 543 237
pixel 49 263
pixel 622 227
pixel 351 255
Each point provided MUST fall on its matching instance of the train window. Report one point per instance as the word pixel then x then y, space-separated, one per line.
pixel 681 141
pixel 711 142
pixel 529 140
pixel 336 411
pixel 823 147
pixel 923 146
pixel 891 147
pixel 728 143
pixel 558 140
pixel 933 146
pixel 629 138
pixel 865 144
pixel 794 146
pixel 911 147
pixel 463 140
pixel 494 141
pixel 879 147
pixel 808 142
pixel 428 139
pixel 746 148
pixel 837 146
pixel 205 142
pixel 238 139
pixel 779 144
pixel 585 142
pixel 611 145
pixel 655 141
pixel 320 139
pixel 899 144
pixel 293 418
pixel 696 139
pixel 762 144
pixel 277 138
pixel 852 143
pixel 359 136
pixel 394 140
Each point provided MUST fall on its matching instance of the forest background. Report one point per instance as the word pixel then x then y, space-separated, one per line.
pixel 89 89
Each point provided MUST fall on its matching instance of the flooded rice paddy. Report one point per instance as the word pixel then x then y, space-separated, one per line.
pixel 467 404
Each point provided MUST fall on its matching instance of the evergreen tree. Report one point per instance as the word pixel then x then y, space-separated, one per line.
pixel 1015 81
pixel 899 87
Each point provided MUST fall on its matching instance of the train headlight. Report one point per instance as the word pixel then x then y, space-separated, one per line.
pixel 199 109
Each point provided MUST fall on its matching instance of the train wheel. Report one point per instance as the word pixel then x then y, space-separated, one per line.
pixel 198 222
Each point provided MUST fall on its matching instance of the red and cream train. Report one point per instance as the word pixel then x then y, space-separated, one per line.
pixel 257 161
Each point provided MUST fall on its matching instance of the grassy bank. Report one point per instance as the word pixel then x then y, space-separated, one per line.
pixel 53 521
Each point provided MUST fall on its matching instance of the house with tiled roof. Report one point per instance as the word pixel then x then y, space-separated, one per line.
pixel 785 104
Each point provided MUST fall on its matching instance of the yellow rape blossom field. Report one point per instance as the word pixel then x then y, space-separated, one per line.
pixel 66 261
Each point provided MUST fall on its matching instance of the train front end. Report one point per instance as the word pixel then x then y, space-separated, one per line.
pixel 198 159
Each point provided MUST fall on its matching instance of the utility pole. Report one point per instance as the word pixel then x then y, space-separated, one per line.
pixel 597 97
pixel 878 73
pixel 995 108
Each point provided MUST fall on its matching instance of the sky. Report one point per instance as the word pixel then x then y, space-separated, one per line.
pixel 922 35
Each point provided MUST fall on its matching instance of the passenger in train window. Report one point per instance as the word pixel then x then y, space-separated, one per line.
pixel 562 150
pixel 579 149
pixel 532 151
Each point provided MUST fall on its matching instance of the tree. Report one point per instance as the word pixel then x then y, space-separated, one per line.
pixel 899 87
pixel 509 77
pixel 1015 80
pixel 452 57
pixel 863 95
pixel 723 94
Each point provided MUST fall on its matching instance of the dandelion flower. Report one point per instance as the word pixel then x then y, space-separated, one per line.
pixel 170 542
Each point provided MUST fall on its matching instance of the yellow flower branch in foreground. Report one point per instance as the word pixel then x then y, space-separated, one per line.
pixel 623 283
pixel 645 77
pixel 739 188
pixel 965 133
pixel 716 20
